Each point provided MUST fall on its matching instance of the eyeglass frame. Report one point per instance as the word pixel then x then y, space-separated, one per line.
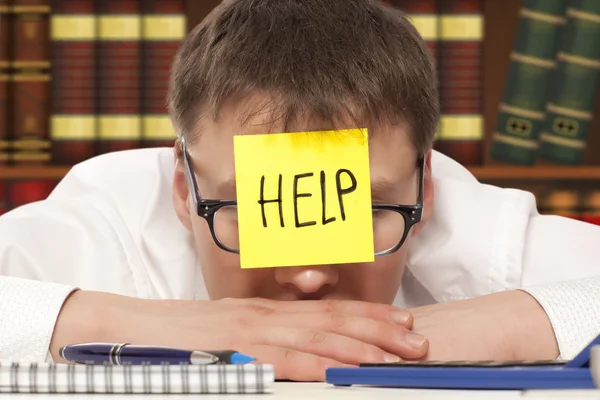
pixel 207 208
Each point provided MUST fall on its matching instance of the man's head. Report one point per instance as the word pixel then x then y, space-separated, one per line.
pixel 271 66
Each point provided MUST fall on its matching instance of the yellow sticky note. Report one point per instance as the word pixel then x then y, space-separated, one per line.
pixel 304 198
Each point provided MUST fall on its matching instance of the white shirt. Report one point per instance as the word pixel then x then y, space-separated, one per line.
pixel 110 226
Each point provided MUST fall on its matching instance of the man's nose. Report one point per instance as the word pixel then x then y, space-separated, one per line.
pixel 307 279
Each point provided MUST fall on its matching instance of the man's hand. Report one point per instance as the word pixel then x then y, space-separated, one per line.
pixel 301 338
pixel 507 325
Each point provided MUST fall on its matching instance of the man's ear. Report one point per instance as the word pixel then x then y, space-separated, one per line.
pixel 181 193
pixel 428 194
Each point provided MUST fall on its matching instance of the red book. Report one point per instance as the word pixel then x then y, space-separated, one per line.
pixel 119 66
pixel 164 26
pixel 29 191
pixel 460 68
pixel 73 106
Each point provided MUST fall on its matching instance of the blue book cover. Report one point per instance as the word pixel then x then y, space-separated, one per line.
pixel 515 375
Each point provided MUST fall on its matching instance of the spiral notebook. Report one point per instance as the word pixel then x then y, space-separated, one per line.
pixel 32 377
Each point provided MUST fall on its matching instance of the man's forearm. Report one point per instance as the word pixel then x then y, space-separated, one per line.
pixel 532 336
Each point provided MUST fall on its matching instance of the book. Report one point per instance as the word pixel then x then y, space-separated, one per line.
pixel 423 15
pixel 532 60
pixel 4 79
pixel 32 377
pixel 460 68
pixel 119 68
pixel 73 35
pixel 574 86
pixel 30 82
pixel 163 27
pixel 590 212
pixel 564 202
pixel 21 192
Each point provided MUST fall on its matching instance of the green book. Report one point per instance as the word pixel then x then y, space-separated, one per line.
pixel 521 112
pixel 574 86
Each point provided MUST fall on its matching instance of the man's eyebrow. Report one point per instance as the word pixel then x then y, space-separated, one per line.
pixel 227 186
pixel 382 189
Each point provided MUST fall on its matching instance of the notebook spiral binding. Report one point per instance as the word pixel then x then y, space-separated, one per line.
pixel 33 377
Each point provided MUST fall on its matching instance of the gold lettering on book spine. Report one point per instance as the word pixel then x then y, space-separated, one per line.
pixel 73 27
pixel 166 28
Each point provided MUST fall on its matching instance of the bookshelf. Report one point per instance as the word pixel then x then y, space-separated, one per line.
pixel 500 27
pixel 483 173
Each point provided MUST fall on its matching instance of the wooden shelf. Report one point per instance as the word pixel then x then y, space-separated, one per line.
pixel 484 173
pixel 33 172
pixel 538 172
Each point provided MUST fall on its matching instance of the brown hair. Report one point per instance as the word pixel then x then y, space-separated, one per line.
pixel 323 57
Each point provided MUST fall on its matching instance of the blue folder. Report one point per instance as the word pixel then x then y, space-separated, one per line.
pixel 519 375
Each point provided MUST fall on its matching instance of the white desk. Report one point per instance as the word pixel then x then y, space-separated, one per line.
pixel 323 391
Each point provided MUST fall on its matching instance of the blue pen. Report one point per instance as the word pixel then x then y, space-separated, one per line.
pixel 123 353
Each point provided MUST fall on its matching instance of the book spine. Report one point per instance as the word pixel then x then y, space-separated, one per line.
pixel 423 15
pixel 591 207
pixel 73 109
pixel 562 202
pixel 31 144
pixel 119 67
pixel 460 60
pixel 521 111
pixel 22 192
pixel 5 20
pixel 3 197
pixel 30 82
pixel 574 86
pixel 163 28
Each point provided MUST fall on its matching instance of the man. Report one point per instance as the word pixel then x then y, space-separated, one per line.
pixel 131 231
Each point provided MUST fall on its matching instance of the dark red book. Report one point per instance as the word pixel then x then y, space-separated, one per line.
pixel 30 102
pixel 4 79
pixel 460 68
pixel 423 15
pixel 30 82
pixel 29 191
pixel 164 26
pixel 119 67
pixel 73 106
pixel 3 197
pixel 31 39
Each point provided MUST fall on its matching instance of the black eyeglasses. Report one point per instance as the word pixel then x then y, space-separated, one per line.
pixel 391 222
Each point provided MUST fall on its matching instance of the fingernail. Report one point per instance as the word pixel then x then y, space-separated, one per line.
pixel 415 340
pixel 400 317
pixel 390 358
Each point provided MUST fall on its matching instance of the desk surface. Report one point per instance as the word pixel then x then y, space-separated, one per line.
pixel 323 391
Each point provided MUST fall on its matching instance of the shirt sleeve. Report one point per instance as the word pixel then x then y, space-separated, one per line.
pixel 28 313
pixel 561 270
pixel 47 250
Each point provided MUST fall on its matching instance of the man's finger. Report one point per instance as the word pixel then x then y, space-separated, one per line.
pixel 321 343
pixel 386 336
pixel 293 364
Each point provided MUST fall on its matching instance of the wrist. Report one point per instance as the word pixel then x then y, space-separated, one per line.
pixel 88 316
pixel 527 327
